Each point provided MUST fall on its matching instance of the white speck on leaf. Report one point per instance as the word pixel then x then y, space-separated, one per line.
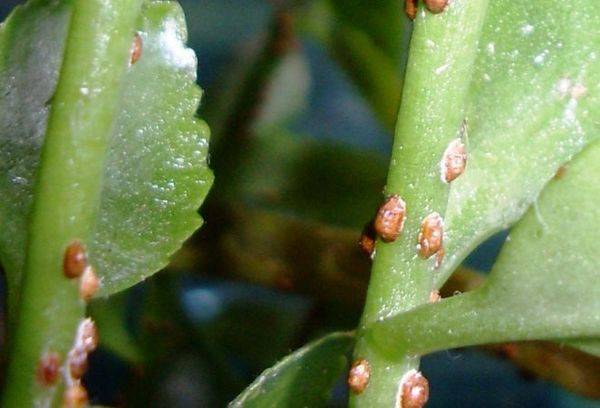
pixel 441 69
pixel 527 29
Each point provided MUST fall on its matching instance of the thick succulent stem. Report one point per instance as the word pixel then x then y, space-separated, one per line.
pixel 67 189
pixel 440 65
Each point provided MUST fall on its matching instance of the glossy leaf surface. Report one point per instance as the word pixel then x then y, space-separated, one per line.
pixel 155 175
pixel 543 286
pixel 533 103
pixel 303 379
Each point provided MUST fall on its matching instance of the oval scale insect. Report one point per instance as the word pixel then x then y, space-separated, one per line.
pixel 414 390
pixel 367 240
pixel 431 236
pixel 75 396
pixel 436 6
pixel 359 375
pixel 410 8
pixel 434 296
pixel 78 363
pixel 136 49
pixel 87 336
pixel 86 341
pixel 74 260
pixel 389 221
pixel 454 161
pixel 48 369
pixel 89 284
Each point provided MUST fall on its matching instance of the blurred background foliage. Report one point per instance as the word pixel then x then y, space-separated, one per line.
pixel 301 97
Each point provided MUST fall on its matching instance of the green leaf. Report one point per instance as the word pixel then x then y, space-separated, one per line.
pixel 303 379
pixel 96 148
pixel 524 77
pixel 543 286
pixel 155 175
pixel 26 86
pixel 68 177
pixel 588 346
pixel 110 316
pixel 533 103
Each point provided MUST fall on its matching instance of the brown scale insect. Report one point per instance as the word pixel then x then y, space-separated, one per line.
pixel 75 396
pixel 136 49
pixel 78 363
pixel 410 8
pixel 86 342
pixel 414 391
pixel 560 172
pixel 390 218
pixel 74 260
pixel 87 336
pixel 431 235
pixel 359 375
pixel 434 296
pixel 454 161
pixel 89 284
pixel 48 369
pixel 367 239
pixel 436 6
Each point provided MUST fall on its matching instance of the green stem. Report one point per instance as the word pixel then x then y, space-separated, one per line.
pixel 67 188
pixel 442 53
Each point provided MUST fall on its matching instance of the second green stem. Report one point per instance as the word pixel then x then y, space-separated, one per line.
pixel 441 58
pixel 67 190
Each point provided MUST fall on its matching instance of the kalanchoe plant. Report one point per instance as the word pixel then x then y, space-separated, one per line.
pixel 102 170
pixel 496 129
pixel 103 166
